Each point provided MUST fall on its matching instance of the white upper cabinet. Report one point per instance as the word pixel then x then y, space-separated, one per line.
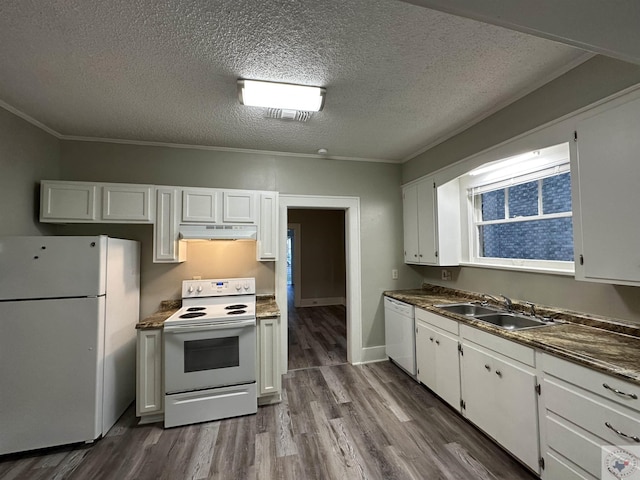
pixel 167 247
pixel 239 206
pixel 201 205
pixel 67 201
pixel 267 248
pixel 127 203
pixel 166 207
pixel 606 230
pixel 80 202
pixel 431 216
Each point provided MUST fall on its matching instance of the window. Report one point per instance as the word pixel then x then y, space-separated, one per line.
pixel 520 212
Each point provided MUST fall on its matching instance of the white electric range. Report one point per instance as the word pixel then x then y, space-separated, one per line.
pixel 210 352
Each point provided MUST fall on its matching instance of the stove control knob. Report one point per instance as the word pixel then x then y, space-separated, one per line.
pixel 190 290
pixel 199 289
pixel 246 285
pixel 238 287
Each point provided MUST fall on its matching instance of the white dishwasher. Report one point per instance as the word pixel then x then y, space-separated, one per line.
pixel 400 334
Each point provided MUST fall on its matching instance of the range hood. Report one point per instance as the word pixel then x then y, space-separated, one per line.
pixel 218 232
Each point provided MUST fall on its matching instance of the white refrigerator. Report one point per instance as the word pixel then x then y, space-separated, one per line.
pixel 68 309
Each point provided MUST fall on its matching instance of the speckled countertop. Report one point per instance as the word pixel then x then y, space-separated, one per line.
pixel 266 307
pixel 610 346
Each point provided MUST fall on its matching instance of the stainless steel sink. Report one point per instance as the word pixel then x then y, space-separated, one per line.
pixel 469 309
pixel 510 321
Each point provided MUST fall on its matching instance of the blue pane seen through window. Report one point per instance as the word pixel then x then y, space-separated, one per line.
pixel 523 200
pixel 556 194
pixel 550 239
pixel 493 205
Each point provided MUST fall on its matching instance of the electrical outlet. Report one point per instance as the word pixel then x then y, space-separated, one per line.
pixel 394 274
pixel 446 274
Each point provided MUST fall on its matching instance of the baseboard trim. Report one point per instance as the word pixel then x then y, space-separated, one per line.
pixel 322 302
pixel 373 354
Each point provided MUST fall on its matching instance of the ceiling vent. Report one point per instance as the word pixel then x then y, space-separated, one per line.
pixel 285 114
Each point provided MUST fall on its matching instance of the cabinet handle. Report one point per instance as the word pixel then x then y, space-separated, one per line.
pixel 437 342
pixel 488 368
pixel 614 390
pixel 499 373
pixel 415 255
pixel 431 338
pixel 632 437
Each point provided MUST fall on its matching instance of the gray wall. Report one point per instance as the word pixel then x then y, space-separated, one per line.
pixel 27 155
pixel 591 81
pixel 322 252
pixel 376 184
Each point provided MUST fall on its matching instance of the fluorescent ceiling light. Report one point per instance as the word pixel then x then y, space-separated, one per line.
pixel 254 93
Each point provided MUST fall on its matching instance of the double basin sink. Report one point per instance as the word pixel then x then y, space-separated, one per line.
pixel 494 316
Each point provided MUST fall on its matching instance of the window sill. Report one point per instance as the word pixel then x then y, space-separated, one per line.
pixel 518 268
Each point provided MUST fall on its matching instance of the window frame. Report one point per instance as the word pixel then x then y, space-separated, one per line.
pixel 472 186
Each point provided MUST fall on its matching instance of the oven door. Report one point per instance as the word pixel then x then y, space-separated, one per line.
pixel 209 355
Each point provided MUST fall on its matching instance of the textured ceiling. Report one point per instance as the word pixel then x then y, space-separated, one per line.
pixel 398 77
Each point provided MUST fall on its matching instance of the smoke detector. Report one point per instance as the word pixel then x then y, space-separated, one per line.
pixel 286 114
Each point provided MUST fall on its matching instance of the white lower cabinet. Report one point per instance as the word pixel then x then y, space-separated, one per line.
pixel 437 355
pixel 149 378
pixel 581 412
pixel 499 392
pixel 268 357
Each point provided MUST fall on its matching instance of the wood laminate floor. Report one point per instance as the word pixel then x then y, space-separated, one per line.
pixel 335 422
pixel 317 335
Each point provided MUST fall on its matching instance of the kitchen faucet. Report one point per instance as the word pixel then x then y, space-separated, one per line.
pixel 507 301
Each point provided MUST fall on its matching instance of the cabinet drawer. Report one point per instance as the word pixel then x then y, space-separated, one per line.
pixel 594 381
pixel 577 446
pixel 505 347
pixel 445 324
pixel 557 469
pixel 591 413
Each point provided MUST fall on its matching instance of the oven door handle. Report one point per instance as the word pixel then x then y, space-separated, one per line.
pixel 203 327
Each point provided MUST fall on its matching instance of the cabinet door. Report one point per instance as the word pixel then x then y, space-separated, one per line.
pixel 516 404
pixel 167 248
pixel 448 369
pixel 268 356
pixel 426 355
pixel 72 201
pixel 608 178
pixel 500 398
pixel 127 203
pixel 268 227
pixel 239 206
pixel 201 205
pixel 410 223
pixel 478 389
pixel 150 389
pixel 427 228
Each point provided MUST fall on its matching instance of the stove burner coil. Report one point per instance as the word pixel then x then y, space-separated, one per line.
pixel 193 315
pixel 236 312
pixel 195 309
pixel 237 306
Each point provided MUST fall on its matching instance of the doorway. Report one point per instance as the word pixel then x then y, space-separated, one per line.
pixel 316 288
pixel 351 208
